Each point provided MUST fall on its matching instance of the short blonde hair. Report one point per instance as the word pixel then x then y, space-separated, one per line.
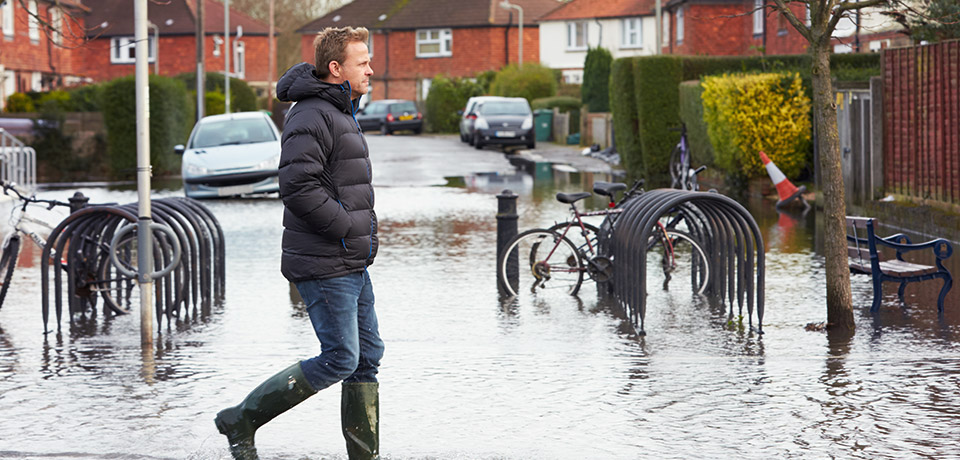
pixel 331 45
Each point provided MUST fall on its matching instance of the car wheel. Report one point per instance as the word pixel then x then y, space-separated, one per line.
pixel 469 139
pixel 476 142
pixel 418 130
pixel 383 129
pixel 531 145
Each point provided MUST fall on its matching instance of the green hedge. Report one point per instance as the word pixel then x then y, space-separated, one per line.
pixel 18 103
pixel 656 79
pixel 626 129
pixel 242 97
pixel 691 114
pixel 85 98
pixel 445 98
pixel 533 81
pixel 171 118
pixel 596 80
pixel 656 82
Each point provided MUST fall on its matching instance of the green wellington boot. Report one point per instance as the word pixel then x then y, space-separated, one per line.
pixel 360 419
pixel 273 397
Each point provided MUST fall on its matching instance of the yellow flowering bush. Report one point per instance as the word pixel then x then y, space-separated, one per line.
pixel 746 114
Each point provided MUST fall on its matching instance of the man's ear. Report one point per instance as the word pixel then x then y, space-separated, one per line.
pixel 334 68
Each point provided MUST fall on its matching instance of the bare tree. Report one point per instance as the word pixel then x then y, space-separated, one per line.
pixel 289 16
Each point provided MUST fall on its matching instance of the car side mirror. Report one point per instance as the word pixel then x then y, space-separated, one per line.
pixel 178 149
pixel 460 112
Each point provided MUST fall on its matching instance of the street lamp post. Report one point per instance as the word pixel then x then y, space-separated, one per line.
pixel 505 4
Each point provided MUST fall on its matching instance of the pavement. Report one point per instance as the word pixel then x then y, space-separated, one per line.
pixel 566 158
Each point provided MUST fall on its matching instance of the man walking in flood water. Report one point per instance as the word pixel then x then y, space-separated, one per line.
pixel 329 239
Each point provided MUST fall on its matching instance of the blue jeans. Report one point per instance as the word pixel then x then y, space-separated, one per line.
pixel 341 310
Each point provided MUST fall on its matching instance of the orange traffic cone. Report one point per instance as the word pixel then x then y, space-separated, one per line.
pixel 785 189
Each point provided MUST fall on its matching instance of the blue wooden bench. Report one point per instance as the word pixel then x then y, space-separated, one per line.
pixel 865 257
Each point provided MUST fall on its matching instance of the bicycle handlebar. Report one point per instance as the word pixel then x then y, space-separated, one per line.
pixel 12 187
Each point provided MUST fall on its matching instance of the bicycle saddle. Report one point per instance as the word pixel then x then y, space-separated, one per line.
pixel 570 198
pixel 608 188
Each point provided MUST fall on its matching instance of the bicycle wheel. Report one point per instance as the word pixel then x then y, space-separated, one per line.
pixel 8 262
pixel 541 261
pixel 676 167
pixel 679 256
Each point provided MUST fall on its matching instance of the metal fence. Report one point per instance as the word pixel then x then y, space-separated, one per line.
pixel 18 163
pixel 921 124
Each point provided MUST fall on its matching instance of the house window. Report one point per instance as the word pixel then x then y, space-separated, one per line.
pixel 630 35
pixel 33 23
pixel 757 17
pixel 36 81
pixel 56 25
pixel 370 45
pixel 239 59
pixel 577 35
pixel 665 39
pixel 808 16
pixel 680 25
pixel 123 50
pixel 434 42
pixel 7 12
pixel 8 85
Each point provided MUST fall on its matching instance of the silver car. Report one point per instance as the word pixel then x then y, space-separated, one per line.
pixel 231 155
pixel 469 115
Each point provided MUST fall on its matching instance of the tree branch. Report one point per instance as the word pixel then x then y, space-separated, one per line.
pixel 843 7
pixel 793 20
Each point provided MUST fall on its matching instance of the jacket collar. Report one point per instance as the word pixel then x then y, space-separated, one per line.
pixel 301 82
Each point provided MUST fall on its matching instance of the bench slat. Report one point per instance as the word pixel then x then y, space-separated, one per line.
pixel 860 254
pixel 901 268
pixel 858 222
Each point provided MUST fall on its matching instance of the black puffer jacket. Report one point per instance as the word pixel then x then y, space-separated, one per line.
pixel 330 228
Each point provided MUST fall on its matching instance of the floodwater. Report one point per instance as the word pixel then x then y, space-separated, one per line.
pixel 466 377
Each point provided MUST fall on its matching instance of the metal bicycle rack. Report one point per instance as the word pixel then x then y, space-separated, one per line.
pixel 726 231
pixel 94 248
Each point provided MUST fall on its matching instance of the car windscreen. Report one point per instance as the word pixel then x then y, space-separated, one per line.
pixel 403 107
pixel 232 132
pixel 505 108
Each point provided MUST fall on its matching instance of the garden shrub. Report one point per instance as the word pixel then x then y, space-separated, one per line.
pixel 691 114
pixel 656 79
pixel 214 103
pixel 446 97
pixel 85 98
pixel 626 128
pixel 18 103
pixel 750 113
pixel 55 100
pixel 171 118
pixel 242 97
pixel 533 81
pixel 596 80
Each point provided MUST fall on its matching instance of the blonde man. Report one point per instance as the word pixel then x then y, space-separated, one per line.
pixel 329 239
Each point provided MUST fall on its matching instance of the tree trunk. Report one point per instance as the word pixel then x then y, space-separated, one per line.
pixel 839 302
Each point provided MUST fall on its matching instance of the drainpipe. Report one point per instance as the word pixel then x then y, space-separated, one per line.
pixel 600 37
pixel 386 65
pixel 659 28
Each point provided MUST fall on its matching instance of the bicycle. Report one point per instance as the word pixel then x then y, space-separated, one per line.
pixel 681 174
pixel 87 261
pixel 560 264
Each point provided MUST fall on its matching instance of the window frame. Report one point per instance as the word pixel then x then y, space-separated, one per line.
pixel 626 29
pixel 665 32
pixel 55 17
pixel 758 17
pixel 33 25
pixel 571 35
pixel 444 40
pixel 8 11
pixel 116 43
pixel 680 25
pixel 239 61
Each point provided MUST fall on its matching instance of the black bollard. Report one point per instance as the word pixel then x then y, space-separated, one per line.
pixel 77 202
pixel 506 231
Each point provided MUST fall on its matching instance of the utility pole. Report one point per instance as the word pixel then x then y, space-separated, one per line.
pixel 201 73
pixel 272 61
pixel 144 233
pixel 226 55
pixel 659 20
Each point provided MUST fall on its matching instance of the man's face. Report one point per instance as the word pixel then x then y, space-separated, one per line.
pixel 356 68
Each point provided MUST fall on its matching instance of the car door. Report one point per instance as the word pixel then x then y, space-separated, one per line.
pixel 369 118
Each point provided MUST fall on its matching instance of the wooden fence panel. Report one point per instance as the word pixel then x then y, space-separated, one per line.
pixel 922 121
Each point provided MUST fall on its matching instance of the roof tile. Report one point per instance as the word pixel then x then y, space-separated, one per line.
pixel 587 9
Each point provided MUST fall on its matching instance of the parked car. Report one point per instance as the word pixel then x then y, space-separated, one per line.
pixel 506 121
pixel 468 115
pixel 230 155
pixel 389 115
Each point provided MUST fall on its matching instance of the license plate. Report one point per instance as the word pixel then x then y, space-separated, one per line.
pixel 235 190
pixel 406 117
pixel 506 134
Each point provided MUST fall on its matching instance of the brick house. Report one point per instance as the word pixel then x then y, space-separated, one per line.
pixel 624 27
pixel 413 41
pixel 744 27
pixel 110 51
pixel 34 57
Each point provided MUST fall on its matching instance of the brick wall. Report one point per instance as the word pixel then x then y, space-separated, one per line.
pixel 25 56
pixel 782 37
pixel 178 54
pixel 727 29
